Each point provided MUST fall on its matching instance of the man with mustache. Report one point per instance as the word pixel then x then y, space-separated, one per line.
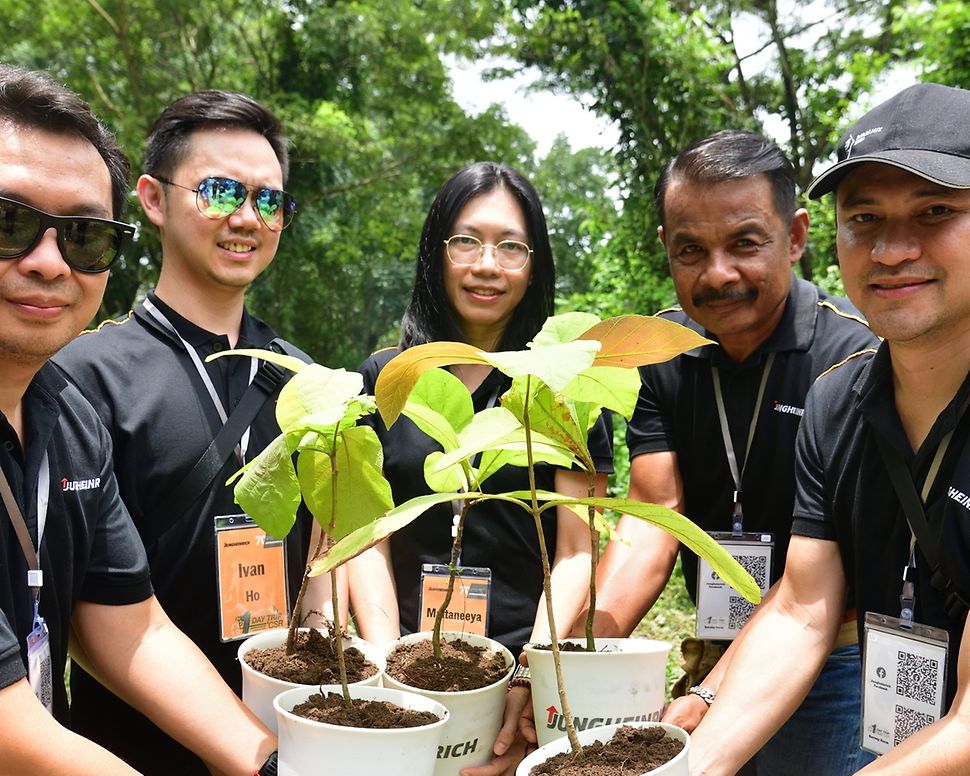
pixel 882 463
pixel 714 431
pixel 72 567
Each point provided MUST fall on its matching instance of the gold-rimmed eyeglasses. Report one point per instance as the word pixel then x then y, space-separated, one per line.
pixel 510 255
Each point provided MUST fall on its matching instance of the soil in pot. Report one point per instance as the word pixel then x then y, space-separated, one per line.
pixel 376 715
pixel 462 666
pixel 314 661
pixel 631 752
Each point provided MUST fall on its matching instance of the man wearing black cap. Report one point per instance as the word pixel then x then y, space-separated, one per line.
pixel 883 464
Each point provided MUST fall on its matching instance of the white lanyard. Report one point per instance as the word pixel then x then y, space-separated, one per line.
pixel 35 577
pixel 737 517
pixel 157 314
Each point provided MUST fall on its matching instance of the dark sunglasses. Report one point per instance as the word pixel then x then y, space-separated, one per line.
pixel 87 244
pixel 221 197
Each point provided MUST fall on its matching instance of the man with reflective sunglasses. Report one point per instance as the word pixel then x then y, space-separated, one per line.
pixel 215 167
pixel 71 563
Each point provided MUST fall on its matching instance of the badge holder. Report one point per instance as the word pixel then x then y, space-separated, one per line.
pixel 470 601
pixel 721 612
pixel 39 664
pixel 251 577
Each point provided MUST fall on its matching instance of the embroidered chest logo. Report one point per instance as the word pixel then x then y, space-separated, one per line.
pixel 68 485
pixel 787 409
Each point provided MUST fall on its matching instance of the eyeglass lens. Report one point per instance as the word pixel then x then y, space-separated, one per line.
pixel 86 244
pixel 465 249
pixel 221 197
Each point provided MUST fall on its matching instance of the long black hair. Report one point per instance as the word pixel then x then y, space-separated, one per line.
pixel 429 316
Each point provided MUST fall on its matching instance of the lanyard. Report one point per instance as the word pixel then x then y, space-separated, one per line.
pixel 456 504
pixel 159 316
pixel 35 577
pixel 737 517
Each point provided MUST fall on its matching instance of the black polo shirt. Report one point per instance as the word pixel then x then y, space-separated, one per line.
pixel 498 535
pixel 676 411
pixel 89 551
pixel 845 493
pixel 143 384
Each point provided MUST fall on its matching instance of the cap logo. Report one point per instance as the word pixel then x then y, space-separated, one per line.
pixel 853 140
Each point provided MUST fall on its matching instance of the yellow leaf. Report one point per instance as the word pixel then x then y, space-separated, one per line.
pixel 638 340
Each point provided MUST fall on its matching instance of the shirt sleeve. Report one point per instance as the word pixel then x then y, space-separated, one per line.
pixel 11 664
pixel 600 442
pixel 117 571
pixel 650 429
pixel 812 512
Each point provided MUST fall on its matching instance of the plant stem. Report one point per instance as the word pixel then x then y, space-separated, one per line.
pixel 337 631
pixel 594 548
pixel 453 569
pixel 547 580
pixel 298 606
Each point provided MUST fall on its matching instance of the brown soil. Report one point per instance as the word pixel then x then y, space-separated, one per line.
pixel 462 666
pixel 313 662
pixel 631 752
pixel 376 715
pixel 564 646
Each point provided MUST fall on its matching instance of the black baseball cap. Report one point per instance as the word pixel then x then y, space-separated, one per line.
pixel 923 130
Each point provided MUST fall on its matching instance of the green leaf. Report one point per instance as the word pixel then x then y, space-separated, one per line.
pixel 551 416
pixel 559 329
pixel 443 479
pixel 612 387
pixel 487 428
pixel 268 490
pixel 441 391
pixel 688 534
pixel 316 389
pixel 287 362
pixel 361 492
pixel 376 531
pixel 555 365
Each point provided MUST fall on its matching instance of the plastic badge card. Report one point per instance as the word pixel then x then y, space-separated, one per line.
pixel 721 612
pixel 467 611
pixel 252 578
pixel 904 676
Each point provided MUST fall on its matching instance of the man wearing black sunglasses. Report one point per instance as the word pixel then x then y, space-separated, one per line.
pixel 215 168
pixel 71 562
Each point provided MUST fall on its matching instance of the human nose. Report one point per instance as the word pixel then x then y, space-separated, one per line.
pixel 247 217
pixel 45 258
pixel 487 259
pixel 721 269
pixel 895 243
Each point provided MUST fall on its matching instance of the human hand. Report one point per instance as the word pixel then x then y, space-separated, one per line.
pixel 687 711
pixel 510 746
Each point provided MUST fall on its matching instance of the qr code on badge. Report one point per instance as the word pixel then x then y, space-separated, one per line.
pixel 909 721
pixel 740 610
pixel 917 677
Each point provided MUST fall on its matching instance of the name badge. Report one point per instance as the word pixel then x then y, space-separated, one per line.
pixel 467 611
pixel 39 670
pixel 904 676
pixel 252 578
pixel 721 612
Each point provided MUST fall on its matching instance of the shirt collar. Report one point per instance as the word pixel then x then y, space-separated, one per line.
pixel 201 338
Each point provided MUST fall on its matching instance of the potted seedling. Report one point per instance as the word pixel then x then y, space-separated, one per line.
pixel 575 366
pixel 325 460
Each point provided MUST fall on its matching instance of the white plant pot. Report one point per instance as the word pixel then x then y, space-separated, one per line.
pixel 259 690
pixel 623 681
pixel 309 748
pixel 476 715
pixel 676 767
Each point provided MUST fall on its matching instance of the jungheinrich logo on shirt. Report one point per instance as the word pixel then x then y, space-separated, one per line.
pixel 68 485
pixel 787 409
pixel 959 496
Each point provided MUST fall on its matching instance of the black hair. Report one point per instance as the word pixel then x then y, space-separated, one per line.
pixel 731 155
pixel 429 316
pixel 32 99
pixel 168 138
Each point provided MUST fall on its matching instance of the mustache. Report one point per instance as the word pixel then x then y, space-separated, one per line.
pixel 708 295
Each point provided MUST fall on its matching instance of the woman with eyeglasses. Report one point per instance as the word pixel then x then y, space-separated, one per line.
pixel 485 276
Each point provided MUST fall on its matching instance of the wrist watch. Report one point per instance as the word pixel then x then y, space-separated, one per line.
pixel 521 677
pixel 703 693
pixel 269 768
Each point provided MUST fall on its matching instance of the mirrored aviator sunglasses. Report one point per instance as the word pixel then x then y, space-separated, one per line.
pixel 87 244
pixel 221 197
